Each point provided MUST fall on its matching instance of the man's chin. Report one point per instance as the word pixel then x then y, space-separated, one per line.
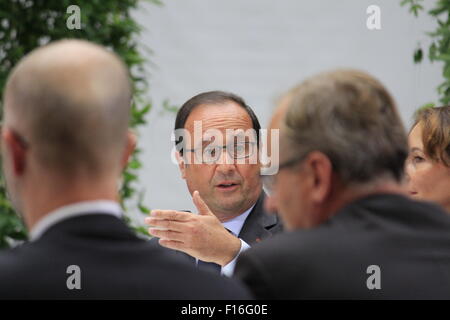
pixel 231 204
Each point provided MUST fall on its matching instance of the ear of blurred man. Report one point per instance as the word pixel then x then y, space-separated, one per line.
pixel 320 169
pixel 15 150
pixel 130 146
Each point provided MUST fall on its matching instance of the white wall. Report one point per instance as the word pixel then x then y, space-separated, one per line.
pixel 260 48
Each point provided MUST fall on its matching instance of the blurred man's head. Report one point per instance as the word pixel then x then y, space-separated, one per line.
pixel 340 137
pixel 229 185
pixel 66 113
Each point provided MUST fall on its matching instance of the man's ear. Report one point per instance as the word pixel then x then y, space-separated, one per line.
pixel 16 150
pixel 130 146
pixel 181 164
pixel 321 171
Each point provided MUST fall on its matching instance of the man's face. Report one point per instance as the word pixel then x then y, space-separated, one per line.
pixel 290 187
pixel 228 187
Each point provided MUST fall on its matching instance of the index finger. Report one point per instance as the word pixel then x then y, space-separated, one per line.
pixel 171 215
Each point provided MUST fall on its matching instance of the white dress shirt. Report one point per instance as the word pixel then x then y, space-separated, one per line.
pixel 74 210
pixel 235 226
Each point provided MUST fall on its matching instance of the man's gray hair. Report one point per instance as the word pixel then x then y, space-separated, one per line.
pixel 350 117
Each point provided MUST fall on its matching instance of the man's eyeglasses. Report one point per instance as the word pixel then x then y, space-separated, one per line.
pixel 270 180
pixel 211 154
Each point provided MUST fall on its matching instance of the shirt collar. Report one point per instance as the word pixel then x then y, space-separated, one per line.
pixel 74 210
pixel 235 225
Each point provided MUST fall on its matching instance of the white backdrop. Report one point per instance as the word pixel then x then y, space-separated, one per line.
pixel 259 49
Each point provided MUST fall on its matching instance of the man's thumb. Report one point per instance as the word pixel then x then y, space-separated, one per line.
pixel 200 204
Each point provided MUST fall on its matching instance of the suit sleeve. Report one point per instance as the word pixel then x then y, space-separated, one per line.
pixel 250 270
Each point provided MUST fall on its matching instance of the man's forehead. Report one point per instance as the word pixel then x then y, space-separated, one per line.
pixel 228 115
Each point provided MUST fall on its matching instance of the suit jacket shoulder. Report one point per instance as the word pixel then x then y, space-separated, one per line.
pixel 409 241
pixel 114 264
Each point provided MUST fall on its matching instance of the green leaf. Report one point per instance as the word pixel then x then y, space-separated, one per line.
pixel 432 52
pixel 446 72
pixel 443 57
pixel 418 55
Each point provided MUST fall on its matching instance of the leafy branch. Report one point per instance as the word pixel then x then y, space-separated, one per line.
pixel 439 49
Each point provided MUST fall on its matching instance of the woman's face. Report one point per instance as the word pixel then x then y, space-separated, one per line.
pixel 428 180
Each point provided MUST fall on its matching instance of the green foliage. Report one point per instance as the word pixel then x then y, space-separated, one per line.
pixel 439 49
pixel 414 6
pixel 27 24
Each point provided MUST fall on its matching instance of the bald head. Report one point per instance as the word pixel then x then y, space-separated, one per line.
pixel 70 101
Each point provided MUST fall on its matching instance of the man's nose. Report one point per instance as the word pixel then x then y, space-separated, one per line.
pixel 225 163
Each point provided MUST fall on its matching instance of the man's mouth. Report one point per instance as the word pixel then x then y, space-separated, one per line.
pixel 227 186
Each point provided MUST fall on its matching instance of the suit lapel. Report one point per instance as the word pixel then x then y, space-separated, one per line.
pixel 259 224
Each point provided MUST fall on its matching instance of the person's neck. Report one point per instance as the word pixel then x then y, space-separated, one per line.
pixel 45 199
pixel 351 194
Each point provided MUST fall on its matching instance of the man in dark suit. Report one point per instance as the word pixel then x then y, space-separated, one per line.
pixel 65 141
pixel 353 233
pixel 217 146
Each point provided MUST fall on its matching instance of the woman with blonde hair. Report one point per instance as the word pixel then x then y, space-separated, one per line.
pixel 428 164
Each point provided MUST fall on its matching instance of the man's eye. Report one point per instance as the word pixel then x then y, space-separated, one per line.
pixel 212 151
pixel 239 148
